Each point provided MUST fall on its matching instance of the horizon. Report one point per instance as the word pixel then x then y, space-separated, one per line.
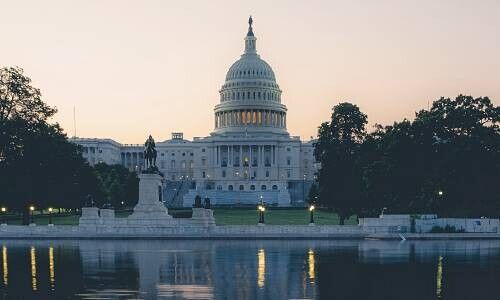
pixel 158 66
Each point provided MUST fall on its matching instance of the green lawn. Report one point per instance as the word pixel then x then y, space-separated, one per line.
pixel 276 217
pixel 223 216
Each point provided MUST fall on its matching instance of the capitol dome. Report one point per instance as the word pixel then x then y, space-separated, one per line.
pixel 250 98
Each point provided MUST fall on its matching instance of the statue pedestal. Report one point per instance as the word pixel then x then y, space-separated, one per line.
pixel 149 209
pixel 203 217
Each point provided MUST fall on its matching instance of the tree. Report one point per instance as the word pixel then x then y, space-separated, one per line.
pixel 118 185
pixel 446 161
pixel 38 165
pixel 313 195
pixel 337 150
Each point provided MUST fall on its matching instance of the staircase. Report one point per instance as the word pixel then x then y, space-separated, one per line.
pixel 238 198
pixel 174 192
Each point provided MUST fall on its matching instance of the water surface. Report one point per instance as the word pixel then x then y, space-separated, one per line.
pixel 250 269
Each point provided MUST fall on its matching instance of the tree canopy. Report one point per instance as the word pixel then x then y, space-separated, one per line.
pixel 38 165
pixel 446 161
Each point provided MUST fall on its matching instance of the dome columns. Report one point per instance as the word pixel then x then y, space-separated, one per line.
pixel 250 118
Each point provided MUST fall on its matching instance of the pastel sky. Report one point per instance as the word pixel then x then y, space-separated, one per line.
pixel 133 68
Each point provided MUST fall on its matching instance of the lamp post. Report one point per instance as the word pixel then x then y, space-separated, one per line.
pixel 32 211
pixel 50 216
pixel 311 213
pixel 4 219
pixel 262 209
pixel 304 188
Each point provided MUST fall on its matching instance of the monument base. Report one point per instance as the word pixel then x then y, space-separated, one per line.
pixel 149 211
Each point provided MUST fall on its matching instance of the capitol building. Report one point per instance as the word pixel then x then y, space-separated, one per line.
pixel 249 157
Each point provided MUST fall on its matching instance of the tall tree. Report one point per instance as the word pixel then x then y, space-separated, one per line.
pixel 446 161
pixel 337 150
pixel 38 165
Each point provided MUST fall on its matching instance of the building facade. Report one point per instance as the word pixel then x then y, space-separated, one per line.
pixel 248 158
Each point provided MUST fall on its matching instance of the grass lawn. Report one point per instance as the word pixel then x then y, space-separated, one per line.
pixel 276 217
pixel 223 216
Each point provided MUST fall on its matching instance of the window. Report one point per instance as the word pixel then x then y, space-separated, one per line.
pixel 242 187
pixel 183 153
pixel 173 154
pixel 267 173
pixel 191 154
pixel 263 187
pixel 288 161
pixel 162 154
pixel 230 187
pixel 267 162
pixel 183 164
pixel 203 150
pixel 172 164
pixel 275 187
pixel 203 174
pixel 219 187
pixel 254 174
pixel 252 187
pixel 223 173
pixel 288 174
pixel 203 161
pixel 173 177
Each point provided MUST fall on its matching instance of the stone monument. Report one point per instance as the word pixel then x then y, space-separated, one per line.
pixel 149 208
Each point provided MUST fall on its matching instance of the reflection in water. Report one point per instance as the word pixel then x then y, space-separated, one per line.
pixel 5 266
pixel 230 269
pixel 33 269
pixel 186 291
pixel 439 277
pixel 261 270
pixel 311 262
pixel 52 272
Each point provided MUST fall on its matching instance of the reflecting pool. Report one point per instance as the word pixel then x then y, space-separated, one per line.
pixel 250 269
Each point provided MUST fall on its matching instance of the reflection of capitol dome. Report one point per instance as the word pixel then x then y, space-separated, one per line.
pixel 250 99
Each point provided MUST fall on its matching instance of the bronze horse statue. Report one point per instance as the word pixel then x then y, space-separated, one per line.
pixel 150 153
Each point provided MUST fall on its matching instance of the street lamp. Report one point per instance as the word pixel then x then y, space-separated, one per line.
pixel 311 211
pixel 304 188
pixel 4 219
pixel 32 211
pixel 262 209
pixel 382 213
pixel 50 216
pixel 440 193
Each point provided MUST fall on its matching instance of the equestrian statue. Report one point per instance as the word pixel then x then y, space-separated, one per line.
pixel 150 154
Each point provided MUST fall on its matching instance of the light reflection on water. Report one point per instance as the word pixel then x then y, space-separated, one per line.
pixel 250 269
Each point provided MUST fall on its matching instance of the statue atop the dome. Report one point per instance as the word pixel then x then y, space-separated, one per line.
pixel 250 22
pixel 150 154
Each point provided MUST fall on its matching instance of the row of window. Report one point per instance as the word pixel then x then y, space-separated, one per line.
pixel 236 74
pixel 252 187
pixel 246 83
pixel 274 96
pixel 91 150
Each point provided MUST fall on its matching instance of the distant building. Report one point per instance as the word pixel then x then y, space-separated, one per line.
pixel 249 157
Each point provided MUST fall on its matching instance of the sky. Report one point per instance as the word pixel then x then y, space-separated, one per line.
pixel 134 68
